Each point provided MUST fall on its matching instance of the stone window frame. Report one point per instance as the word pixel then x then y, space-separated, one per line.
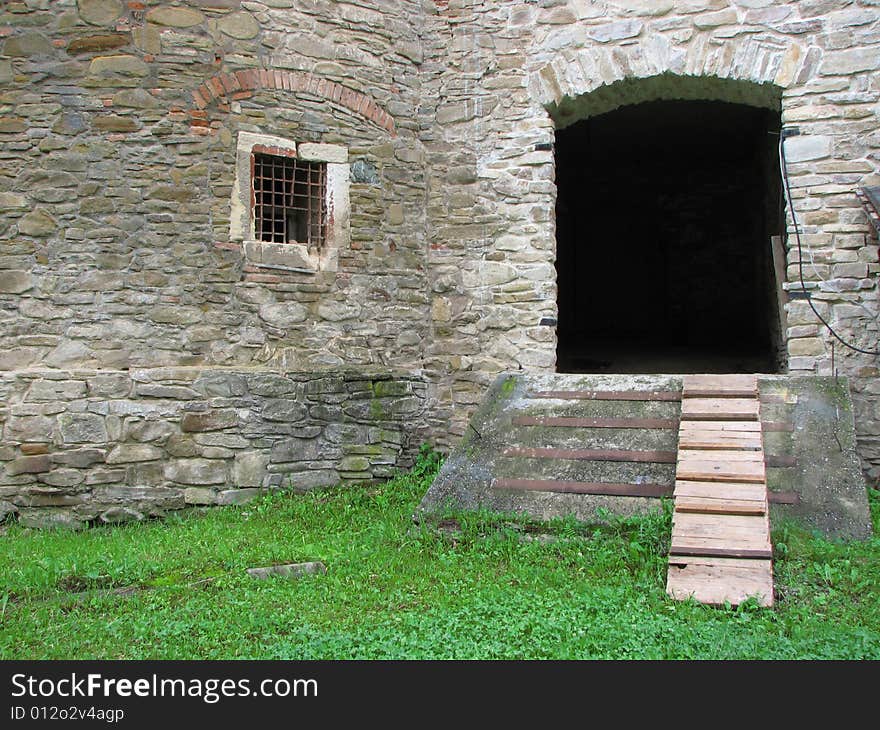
pixel 294 257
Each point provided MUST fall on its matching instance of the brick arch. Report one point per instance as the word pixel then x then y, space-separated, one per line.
pixel 224 87
pixel 598 79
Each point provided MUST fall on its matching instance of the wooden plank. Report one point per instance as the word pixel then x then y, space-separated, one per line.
pixel 700 525
pixel 708 442
pixel 687 550
pixel 633 395
pixel 719 455
pixel 777 248
pixel 566 422
pixel 654 457
pixel 712 544
pixel 731 490
pixel 711 505
pixel 725 386
pixel 719 409
pixel 712 471
pixel 615 489
pixel 721 507
pixel 716 581
pixel 721 426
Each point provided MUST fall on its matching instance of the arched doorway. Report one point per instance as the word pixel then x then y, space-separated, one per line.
pixel 665 214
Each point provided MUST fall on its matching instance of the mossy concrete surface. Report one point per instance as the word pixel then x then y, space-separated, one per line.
pixel 827 478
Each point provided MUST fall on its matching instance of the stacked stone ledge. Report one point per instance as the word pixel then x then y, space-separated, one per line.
pixel 86 446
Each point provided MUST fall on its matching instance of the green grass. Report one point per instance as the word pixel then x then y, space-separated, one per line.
pixel 394 590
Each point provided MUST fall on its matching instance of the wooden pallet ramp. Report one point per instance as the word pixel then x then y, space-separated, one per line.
pixel 720 551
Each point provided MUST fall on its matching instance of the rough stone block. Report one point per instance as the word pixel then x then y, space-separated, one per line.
pixel 294 449
pixel 100 12
pixel 200 495
pixel 270 384
pixel 214 420
pixel 29 465
pixel 46 519
pixel 79 458
pixel 307 480
pixel 241 25
pixel 56 390
pixel 196 471
pixel 237 496
pixel 249 469
pixel 288 411
pixel 175 17
pixel 127 453
pixel 116 515
pixel 15 282
pixel 38 223
pixel 82 428
pixel 292 570
pixel 354 463
pixel 63 477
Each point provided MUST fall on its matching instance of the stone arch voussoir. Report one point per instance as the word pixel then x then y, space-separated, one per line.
pixel 225 87
pixel 599 79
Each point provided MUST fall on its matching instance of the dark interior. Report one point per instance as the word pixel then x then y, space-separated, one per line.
pixel 664 216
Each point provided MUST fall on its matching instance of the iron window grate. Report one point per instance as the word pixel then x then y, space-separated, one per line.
pixel 289 199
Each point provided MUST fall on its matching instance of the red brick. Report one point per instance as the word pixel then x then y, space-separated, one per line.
pixel 263 278
pixel 244 80
pixel 266 79
pixel 200 101
pixel 216 87
pixel 227 245
pixel 297 81
pixel 347 97
pixel 230 83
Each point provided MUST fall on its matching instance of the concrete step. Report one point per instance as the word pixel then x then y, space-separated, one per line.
pixel 819 479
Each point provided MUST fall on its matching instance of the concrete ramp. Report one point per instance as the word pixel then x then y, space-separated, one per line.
pixel 549 445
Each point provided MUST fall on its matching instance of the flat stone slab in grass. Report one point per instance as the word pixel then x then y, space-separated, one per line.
pixel 517 456
pixel 291 570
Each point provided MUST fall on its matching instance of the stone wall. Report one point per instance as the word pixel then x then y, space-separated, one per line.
pixel 82 446
pixel 501 77
pixel 119 124
pixel 118 130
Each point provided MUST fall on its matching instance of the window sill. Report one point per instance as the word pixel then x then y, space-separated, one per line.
pixel 287 257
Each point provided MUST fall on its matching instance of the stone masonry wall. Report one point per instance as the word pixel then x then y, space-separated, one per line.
pixel 119 121
pixel 86 446
pixel 501 77
pixel 118 129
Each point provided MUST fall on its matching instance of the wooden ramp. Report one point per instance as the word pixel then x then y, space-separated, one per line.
pixel 720 548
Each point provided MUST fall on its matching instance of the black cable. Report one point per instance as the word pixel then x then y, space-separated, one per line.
pixel 797 234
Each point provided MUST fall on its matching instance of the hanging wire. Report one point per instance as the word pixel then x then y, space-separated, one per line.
pixel 797 233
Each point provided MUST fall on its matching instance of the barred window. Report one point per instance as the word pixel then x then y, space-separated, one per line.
pixel 289 199
pixel 289 205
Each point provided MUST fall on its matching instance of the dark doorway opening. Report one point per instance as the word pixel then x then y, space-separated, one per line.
pixel 665 212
